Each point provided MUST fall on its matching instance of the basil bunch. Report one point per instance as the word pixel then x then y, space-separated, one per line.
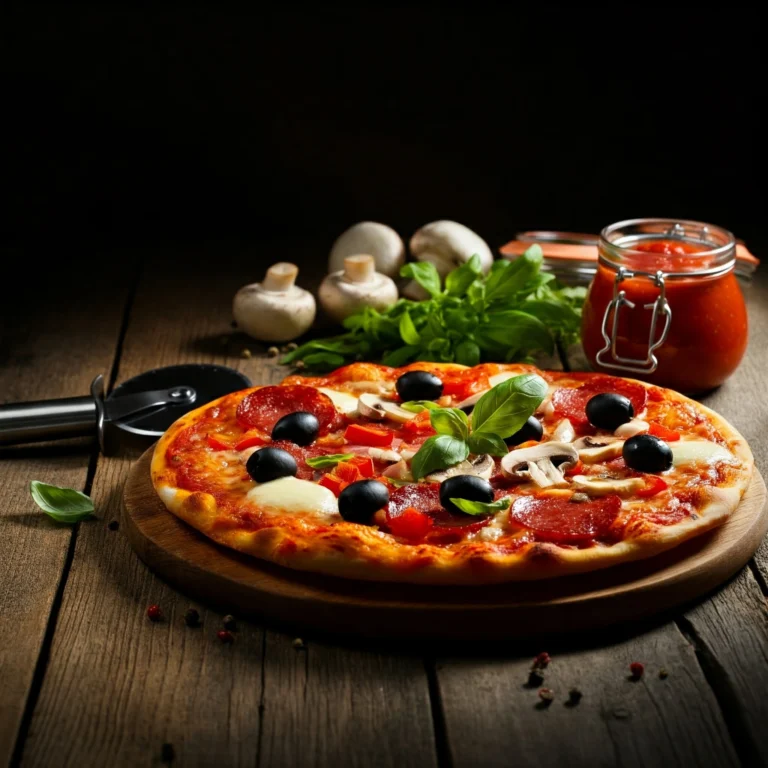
pixel 499 413
pixel 507 315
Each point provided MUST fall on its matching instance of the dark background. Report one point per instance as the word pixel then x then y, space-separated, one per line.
pixel 133 125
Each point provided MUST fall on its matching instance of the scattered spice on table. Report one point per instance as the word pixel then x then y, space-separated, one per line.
pixel 298 644
pixel 154 613
pixel 299 364
pixel 225 636
pixel 542 660
pixel 167 753
pixel 230 623
pixel 547 695
pixel 663 674
pixel 636 670
pixel 574 697
pixel 246 353
pixel 291 346
pixel 620 713
pixel 192 617
pixel 113 525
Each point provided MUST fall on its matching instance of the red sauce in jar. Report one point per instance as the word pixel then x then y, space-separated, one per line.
pixel 708 329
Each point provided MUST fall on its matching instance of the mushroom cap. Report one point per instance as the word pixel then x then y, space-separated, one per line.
pixel 448 244
pixel 375 408
pixel 341 296
pixel 515 461
pixel 481 466
pixel 381 241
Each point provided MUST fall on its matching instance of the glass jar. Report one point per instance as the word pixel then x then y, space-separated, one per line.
pixel 664 305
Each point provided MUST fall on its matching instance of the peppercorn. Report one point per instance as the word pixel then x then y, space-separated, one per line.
pixel 541 660
pixel 663 674
pixel 547 695
pixel 574 697
pixel 225 636
pixel 167 753
pixel 298 644
pixel 273 352
pixel 192 617
pixel 230 623
pixel 113 525
pixel 154 613
pixel 636 670
pixel 246 353
pixel 299 364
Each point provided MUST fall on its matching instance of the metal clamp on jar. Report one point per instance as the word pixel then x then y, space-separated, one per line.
pixel 650 270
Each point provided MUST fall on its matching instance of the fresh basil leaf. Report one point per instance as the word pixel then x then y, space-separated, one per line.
pixel 408 330
pixel 480 507
pixel 504 283
pixel 487 442
pixel 64 505
pixel 458 280
pixel 327 359
pixel 329 460
pixel 450 421
pixel 467 353
pixel 438 452
pixel 425 274
pixel 417 406
pixel 401 356
pixel 513 330
pixel 551 312
pixel 506 407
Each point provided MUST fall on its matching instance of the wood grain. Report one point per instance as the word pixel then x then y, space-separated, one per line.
pixel 41 356
pixel 249 586
pixel 119 686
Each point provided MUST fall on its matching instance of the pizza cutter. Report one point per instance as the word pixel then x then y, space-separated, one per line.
pixel 137 411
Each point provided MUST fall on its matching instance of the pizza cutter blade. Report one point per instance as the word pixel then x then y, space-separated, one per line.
pixel 138 410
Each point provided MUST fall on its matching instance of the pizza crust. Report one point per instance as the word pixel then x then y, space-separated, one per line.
pixel 360 552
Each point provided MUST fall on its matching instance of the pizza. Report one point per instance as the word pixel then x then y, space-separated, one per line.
pixel 445 474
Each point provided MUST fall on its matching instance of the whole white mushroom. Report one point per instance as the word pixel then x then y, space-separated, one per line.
pixel 356 286
pixel 378 240
pixel 448 244
pixel 275 309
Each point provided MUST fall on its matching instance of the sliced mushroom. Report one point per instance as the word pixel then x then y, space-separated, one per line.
pixel 384 454
pixel 375 408
pixel 482 466
pixel 468 405
pixel 564 432
pixel 632 428
pixel 597 486
pixel 596 448
pixel 399 471
pixel 543 463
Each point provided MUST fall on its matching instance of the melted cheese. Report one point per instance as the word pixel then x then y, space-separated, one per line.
pixel 344 402
pixel 691 451
pixel 292 496
pixel 499 377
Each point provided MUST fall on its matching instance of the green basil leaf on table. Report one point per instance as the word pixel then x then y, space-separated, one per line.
pixel 408 330
pixel 64 505
pixel 482 508
pixel 450 421
pixel 506 407
pixel 438 452
pixel 425 274
pixel 417 406
pixel 329 460
pixel 487 442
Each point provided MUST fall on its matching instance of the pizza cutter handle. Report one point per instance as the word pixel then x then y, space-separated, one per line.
pixel 53 419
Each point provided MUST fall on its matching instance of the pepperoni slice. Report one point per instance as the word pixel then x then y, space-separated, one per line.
pixel 264 407
pixel 425 497
pixel 571 403
pixel 302 454
pixel 565 521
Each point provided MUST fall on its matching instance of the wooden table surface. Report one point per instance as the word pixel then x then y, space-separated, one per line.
pixel 86 679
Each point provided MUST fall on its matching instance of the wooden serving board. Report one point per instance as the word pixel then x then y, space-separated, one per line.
pixel 250 587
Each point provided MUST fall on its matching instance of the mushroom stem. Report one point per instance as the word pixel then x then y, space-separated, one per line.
pixel 360 268
pixel 280 277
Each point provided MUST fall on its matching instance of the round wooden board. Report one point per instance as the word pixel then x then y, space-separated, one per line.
pixel 251 587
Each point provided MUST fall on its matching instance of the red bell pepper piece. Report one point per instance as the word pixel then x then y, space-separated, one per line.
pixel 347 472
pixel 410 524
pixel 249 441
pixel 364 465
pixel 216 444
pixel 662 432
pixel 653 486
pixel 333 483
pixel 361 435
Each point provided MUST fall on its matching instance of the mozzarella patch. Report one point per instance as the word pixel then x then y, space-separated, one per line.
pixel 288 494
pixel 344 402
pixel 691 451
pixel 499 377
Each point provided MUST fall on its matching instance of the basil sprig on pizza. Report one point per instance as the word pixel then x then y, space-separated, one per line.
pixel 498 414
pixel 444 474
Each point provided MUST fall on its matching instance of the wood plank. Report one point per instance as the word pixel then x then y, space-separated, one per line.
pixel 41 357
pixel 166 682
pixel 494 716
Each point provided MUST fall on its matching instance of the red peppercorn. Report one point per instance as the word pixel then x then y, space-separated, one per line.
pixel 547 695
pixel 637 669
pixel 225 636
pixel 542 660
pixel 154 613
